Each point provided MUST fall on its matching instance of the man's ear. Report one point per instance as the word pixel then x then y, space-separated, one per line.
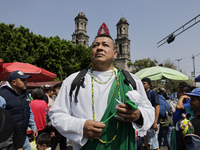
pixel 44 146
pixel 115 54
pixel 13 82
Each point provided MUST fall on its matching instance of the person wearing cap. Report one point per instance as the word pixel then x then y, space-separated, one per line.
pixel 152 133
pixel 15 99
pixel 195 106
pixel 194 112
pixel 91 122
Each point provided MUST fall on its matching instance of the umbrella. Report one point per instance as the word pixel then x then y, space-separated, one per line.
pixel 197 79
pixel 37 74
pixel 158 72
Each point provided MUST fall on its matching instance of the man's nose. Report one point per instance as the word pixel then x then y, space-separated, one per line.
pixel 100 48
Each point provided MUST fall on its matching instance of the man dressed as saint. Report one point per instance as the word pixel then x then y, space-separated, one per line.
pixel 107 111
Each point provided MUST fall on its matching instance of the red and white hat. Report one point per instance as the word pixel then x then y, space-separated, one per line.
pixel 103 29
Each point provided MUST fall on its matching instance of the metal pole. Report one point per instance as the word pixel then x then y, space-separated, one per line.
pixel 178 64
pixel 194 65
pixel 179 31
pixel 194 68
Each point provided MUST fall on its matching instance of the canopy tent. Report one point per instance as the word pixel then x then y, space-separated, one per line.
pixel 197 79
pixel 158 72
pixel 37 74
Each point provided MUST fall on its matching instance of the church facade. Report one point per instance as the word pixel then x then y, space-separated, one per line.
pixel 122 42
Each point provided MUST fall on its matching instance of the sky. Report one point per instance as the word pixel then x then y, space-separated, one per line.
pixel 149 22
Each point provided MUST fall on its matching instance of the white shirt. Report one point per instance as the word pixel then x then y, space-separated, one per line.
pixel 69 117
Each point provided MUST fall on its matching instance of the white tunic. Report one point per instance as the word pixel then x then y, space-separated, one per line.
pixel 69 117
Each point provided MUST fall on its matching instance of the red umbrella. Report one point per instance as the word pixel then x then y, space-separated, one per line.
pixel 37 74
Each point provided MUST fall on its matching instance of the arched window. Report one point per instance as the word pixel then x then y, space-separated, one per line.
pixel 120 48
pixel 76 42
pixel 85 43
pixel 77 25
pixel 120 31
pixel 81 25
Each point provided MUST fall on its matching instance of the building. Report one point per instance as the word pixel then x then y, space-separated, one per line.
pixel 80 35
pixel 122 42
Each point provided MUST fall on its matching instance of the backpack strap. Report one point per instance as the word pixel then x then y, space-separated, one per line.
pixel 77 82
pixel 129 79
pixel 150 94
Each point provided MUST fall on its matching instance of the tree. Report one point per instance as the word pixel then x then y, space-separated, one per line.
pixel 141 64
pixel 169 64
pixel 172 85
pixel 54 54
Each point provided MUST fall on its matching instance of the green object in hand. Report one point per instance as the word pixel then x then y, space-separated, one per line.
pixel 132 104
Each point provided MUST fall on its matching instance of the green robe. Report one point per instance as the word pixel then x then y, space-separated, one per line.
pixel 125 135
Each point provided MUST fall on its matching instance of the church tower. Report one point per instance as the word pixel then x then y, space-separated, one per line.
pixel 122 44
pixel 80 35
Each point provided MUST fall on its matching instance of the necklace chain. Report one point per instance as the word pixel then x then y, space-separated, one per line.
pixel 93 78
pixel 91 71
pixel 104 142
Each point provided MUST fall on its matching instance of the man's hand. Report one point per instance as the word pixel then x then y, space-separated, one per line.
pixel 92 129
pixel 35 133
pixel 127 113
pixel 154 127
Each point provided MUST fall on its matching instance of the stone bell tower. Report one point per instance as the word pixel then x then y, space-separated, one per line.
pixel 80 35
pixel 122 44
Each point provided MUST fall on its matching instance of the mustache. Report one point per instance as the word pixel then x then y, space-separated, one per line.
pixel 99 53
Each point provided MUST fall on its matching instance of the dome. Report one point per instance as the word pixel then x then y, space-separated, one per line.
pixel 81 15
pixel 122 20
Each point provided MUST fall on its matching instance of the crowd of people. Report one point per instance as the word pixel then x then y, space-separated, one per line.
pixel 24 116
pixel 183 117
pixel 105 111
